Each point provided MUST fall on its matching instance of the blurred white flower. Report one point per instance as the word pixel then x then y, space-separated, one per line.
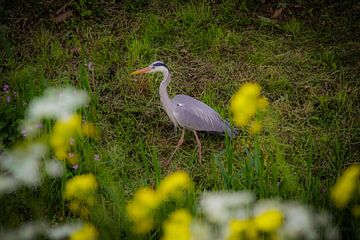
pixel 23 163
pixel 300 222
pixel 54 168
pixel 24 232
pixel 62 231
pixel 219 207
pixel 57 103
pixel 39 229
pixel 201 231
pixel 7 184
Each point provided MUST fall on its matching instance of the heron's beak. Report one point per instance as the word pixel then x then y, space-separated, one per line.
pixel 141 71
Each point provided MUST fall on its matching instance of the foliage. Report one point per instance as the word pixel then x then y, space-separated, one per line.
pixel 305 60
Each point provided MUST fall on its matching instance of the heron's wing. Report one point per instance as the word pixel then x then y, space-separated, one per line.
pixel 195 115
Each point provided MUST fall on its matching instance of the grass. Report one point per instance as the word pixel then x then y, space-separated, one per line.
pixel 308 69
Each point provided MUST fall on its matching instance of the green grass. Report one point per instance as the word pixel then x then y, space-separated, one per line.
pixel 307 69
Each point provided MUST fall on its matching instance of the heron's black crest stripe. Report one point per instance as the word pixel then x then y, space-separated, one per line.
pixel 158 64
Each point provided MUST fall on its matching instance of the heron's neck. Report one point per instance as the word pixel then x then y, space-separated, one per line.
pixel 164 96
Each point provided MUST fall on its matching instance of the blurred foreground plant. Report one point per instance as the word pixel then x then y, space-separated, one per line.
pixel 245 104
pixel 142 209
pixel 80 192
pixel 232 215
pixel 24 164
pixel 347 188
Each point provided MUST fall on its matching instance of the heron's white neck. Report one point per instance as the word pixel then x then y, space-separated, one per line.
pixel 164 96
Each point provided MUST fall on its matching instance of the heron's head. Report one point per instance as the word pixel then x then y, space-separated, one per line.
pixel 157 66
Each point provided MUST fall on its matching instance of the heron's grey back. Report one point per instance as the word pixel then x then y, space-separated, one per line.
pixel 195 115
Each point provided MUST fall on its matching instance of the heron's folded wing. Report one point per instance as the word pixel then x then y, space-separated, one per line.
pixel 193 114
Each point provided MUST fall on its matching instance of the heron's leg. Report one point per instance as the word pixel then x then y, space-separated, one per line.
pixel 181 141
pixel 199 146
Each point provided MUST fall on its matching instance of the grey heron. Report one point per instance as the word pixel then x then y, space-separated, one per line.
pixel 186 111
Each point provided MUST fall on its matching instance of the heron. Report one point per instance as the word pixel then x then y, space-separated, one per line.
pixel 187 112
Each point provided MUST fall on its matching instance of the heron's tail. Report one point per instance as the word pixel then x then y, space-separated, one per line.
pixel 231 131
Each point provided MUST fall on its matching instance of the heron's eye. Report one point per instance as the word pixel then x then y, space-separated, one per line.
pixel 152 67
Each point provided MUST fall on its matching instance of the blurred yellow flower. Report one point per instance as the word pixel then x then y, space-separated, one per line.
pixel 142 208
pixel 63 131
pixel 241 120
pixel 87 232
pixel 145 201
pixel 174 185
pixel 345 186
pixel 80 191
pixel 251 228
pixel 246 103
pixel 255 127
pixel 147 197
pixel 80 187
pixel 242 229
pixel 269 221
pixel 251 90
pixel 177 226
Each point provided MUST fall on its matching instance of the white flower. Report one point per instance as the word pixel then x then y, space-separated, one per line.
pixel 7 184
pixel 57 103
pixel 219 207
pixel 201 231
pixel 54 168
pixel 24 163
pixel 63 231
pixel 40 229
pixel 300 222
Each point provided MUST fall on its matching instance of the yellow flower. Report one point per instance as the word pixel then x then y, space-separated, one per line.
pixel 177 226
pixel 142 208
pixel 174 185
pixel 145 201
pixel 251 89
pixel 241 120
pixel 246 103
pixel 238 102
pixel 80 187
pixel 63 130
pixel 255 127
pixel 87 232
pixel 242 229
pixel 80 191
pixel 345 186
pixel 147 197
pixel 269 221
